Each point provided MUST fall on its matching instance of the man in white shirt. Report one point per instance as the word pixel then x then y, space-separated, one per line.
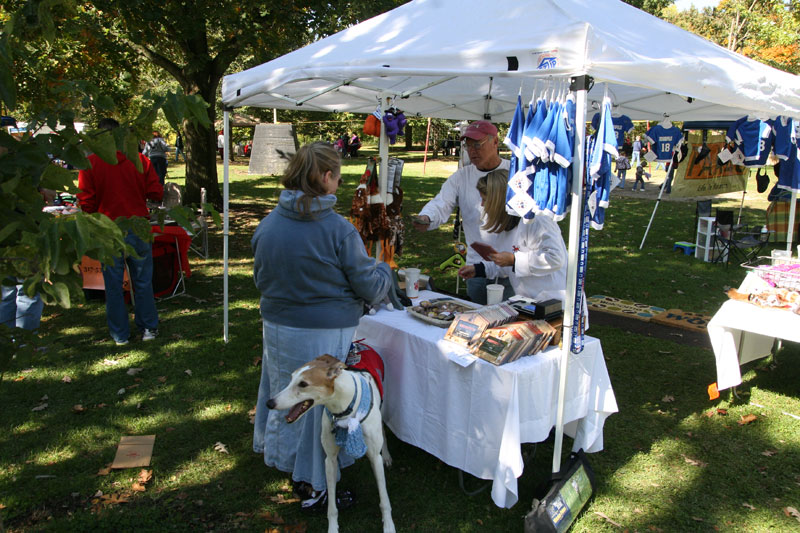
pixel 460 190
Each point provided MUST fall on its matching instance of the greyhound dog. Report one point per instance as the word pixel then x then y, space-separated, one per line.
pixel 352 402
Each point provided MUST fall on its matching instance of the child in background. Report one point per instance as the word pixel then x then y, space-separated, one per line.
pixel 623 164
pixel 640 174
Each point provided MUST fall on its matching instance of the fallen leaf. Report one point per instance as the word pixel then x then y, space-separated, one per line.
pixel 221 363
pixel 272 518
pixel 100 405
pixel 78 408
pixel 251 414
pixel 769 453
pixel 791 511
pixel 746 419
pixel 133 371
pixel 19 378
pixel 103 472
pixel 607 519
pixel 44 398
pixel 748 506
pixel 132 386
pixel 40 407
pixel 66 379
pixel 138 487
pixel 697 519
pixel 145 476
pixel 228 407
pixel 188 372
pixel 694 462
pixel 162 379
pixel 121 391
pixel 110 362
pixel 222 448
pixel 722 412
pixel 668 398
pixel 256 360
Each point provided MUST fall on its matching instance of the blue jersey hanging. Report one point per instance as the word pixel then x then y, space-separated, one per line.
pixel 663 141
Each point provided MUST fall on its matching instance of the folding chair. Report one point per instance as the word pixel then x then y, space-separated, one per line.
pixel 199 244
pixel 723 225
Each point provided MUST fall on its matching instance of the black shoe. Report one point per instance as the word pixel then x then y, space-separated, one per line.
pixel 319 501
pixel 302 490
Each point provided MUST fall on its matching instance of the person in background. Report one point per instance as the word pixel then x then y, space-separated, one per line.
pixel 179 147
pixel 355 144
pixel 640 175
pixel 534 253
pixel 637 151
pixel 122 191
pixel 459 190
pixel 314 276
pixel 17 309
pixel 623 165
pixel 156 149
pixel 221 144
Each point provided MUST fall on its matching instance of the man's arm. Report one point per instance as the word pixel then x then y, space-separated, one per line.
pixel 153 188
pixel 87 198
pixel 441 207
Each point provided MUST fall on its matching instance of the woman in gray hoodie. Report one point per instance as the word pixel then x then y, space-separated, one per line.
pixel 314 276
pixel 156 150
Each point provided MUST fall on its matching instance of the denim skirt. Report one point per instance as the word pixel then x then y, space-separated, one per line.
pixel 295 448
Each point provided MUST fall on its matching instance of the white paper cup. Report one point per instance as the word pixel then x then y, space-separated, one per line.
pixel 494 293
pixel 412 282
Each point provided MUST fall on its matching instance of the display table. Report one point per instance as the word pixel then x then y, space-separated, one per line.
pixel 475 417
pixel 741 332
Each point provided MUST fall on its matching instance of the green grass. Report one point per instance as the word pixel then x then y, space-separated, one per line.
pixel 666 466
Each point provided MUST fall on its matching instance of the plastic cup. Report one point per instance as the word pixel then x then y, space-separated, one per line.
pixel 412 282
pixel 494 293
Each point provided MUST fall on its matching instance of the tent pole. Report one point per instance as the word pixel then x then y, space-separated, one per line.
pixel 383 167
pixel 744 193
pixel 658 201
pixel 790 229
pixel 427 138
pixel 580 84
pixel 225 193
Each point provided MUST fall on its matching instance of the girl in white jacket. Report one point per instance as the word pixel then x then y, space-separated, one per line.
pixel 536 251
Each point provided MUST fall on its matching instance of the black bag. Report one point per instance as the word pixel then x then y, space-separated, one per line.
pixel 570 490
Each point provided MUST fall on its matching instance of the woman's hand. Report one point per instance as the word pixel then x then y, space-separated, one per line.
pixel 502 259
pixel 467 272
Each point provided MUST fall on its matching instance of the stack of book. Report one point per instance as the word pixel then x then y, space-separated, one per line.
pixel 467 328
pixel 507 343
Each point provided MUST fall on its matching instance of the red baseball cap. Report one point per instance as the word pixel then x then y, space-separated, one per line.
pixel 479 129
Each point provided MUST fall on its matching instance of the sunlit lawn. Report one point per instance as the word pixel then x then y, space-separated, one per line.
pixel 672 461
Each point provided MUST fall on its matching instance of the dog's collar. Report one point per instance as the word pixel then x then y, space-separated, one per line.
pixel 364 398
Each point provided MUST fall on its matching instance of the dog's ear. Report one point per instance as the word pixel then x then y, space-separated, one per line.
pixel 335 366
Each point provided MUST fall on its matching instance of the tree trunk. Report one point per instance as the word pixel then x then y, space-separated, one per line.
pixel 201 145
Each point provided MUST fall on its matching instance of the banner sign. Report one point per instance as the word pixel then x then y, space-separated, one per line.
pixel 707 177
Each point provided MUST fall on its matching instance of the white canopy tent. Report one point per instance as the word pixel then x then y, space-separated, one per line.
pixel 469 59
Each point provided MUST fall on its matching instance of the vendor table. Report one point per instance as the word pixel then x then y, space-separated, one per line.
pixel 741 332
pixel 476 417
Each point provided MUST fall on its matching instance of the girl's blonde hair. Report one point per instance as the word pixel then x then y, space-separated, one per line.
pixel 493 187
pixel 306 169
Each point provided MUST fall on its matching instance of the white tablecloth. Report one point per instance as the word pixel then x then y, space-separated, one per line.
pixel 761 326
pixel 475 418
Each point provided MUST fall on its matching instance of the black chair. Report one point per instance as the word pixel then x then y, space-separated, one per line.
pixel 723 230
pixel 743 246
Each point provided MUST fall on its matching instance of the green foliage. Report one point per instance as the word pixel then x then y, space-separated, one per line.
pixel 37 247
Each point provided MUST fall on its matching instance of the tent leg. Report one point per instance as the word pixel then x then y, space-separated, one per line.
pixel 575 218
pixel 652 216
pixel 792 214
pixel 225 194
pixel 427 138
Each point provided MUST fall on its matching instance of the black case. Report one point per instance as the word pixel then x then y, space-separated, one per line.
pixel 569 491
